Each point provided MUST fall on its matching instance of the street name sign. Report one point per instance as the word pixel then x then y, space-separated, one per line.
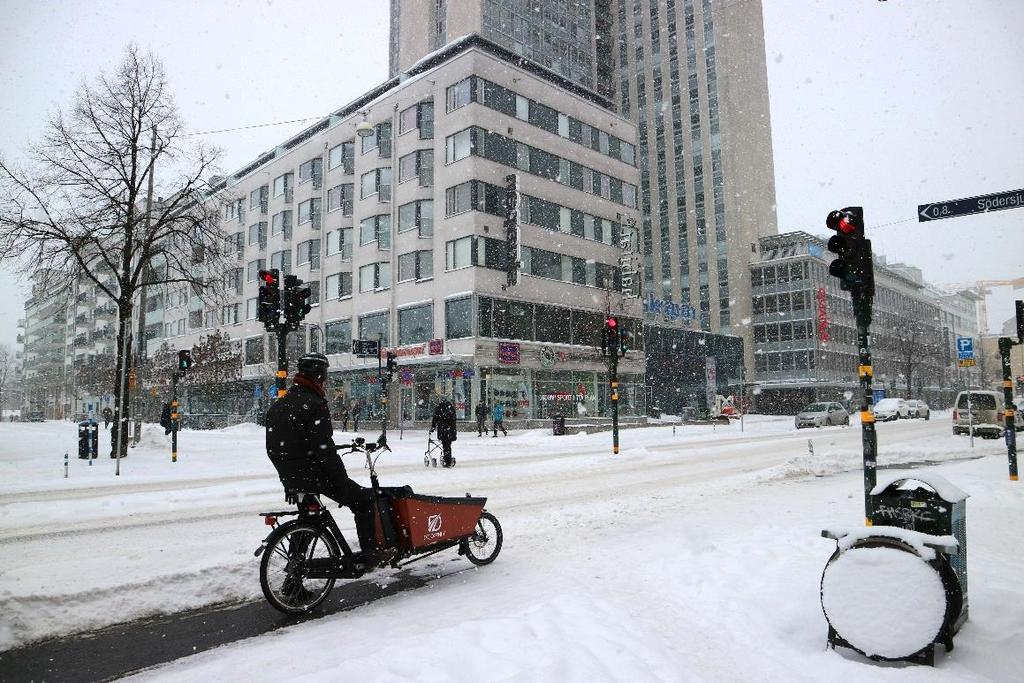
pixel 951 208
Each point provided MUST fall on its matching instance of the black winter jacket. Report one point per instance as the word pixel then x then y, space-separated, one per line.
pixel 444 421
pixel 300 443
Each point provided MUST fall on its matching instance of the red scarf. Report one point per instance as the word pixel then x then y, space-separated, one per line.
pixel 309 383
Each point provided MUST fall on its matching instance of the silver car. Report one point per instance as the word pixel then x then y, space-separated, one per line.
pixel 919 409
pixel 821 415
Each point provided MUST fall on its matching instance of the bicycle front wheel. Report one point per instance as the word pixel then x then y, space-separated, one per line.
pixel 283 569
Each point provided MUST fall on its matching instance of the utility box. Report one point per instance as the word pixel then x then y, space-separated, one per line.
pixel 930 504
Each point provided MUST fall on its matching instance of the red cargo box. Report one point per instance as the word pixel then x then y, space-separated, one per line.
pixel 422 521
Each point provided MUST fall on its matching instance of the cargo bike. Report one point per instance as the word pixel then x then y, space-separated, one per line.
pixel 302 558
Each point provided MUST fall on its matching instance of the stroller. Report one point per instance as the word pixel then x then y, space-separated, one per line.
pixel 434 453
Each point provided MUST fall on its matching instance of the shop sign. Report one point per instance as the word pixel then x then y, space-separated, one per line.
pixel 436 347
pixel 405 375
pixel 406 351
pixel 629 260
pixel 547 357
pixel 508 353
pixel 822 299
pixel 580 395
pixel 669 310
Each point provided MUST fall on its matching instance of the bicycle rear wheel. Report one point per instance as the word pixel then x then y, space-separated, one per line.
pixel 283 574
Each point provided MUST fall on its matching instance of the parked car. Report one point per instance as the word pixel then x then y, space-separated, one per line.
pixel 985 414
pixel 919 409
pixel 822 414
pixel 36 416
pixel 891 409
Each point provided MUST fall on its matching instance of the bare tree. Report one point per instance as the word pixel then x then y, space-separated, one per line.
pixel 915 344
pixel 82 211
pixel 6 372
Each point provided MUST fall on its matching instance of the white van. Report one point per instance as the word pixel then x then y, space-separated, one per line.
pixel 985 414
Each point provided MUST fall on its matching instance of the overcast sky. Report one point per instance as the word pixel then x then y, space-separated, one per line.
pixel 882 104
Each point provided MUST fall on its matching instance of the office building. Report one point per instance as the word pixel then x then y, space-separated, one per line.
pixel 805 337
pixel 401 234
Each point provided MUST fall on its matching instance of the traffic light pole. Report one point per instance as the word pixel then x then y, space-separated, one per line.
pixel 869 438
pixel 613 384
pixel 1009 414
pixel 281 377
pixel 174 415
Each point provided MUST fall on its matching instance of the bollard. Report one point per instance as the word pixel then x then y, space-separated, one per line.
pixel 810 447
pixel 66 464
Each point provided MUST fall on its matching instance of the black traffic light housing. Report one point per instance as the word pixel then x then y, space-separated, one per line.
pixel 268 303
pixel 296 301
pixel 626 340
pixel 392 362
pixel 184 360
pixel 854 268
pixel 610 337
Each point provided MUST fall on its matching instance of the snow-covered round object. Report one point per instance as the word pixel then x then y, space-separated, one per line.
pixel 884 601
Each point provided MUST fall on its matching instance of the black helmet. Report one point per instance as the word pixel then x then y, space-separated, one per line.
pixel 314 365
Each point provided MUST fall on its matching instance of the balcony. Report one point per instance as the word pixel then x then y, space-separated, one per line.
pixel 105 311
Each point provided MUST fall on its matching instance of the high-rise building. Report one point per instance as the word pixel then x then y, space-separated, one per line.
pixel 691 74
pixel 569 37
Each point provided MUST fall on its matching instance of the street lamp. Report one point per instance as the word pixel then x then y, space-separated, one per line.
pixel 363 128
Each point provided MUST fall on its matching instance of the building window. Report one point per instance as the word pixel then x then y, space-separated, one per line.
pixel 309 170
pixel 250 309
pixel 339 336
pixel 282 184
pixel 281 222
pixel 229 314
pixel 459 199
pixel 416 265
pixel 375 326
pixel 459 146
pixel 309 211
pixel 340 197
pixel 418 215
pixel 375 276
pixel 458 253
pixel 258 234
pixel 460 94
pixel 417 164
pixel 308 252
pixel 376 229
pixel 377 181
pixel 254 351
pixel 258 199
pixel 282 260
pixel 415 325
pixel 342 155
pixel 458 316
pixel 338 286
pixel 253 268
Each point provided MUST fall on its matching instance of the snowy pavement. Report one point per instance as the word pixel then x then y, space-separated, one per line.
pixel 690 556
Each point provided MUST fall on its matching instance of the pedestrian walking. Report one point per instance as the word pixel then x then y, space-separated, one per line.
pixel 444 422
pixel 107 414
pixel 499 419
pixel 481 417
pixel 357 409
pixel 344 415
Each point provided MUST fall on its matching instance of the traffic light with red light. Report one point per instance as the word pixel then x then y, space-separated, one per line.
pixel 268 303
pixel 854 268
pixel 610 337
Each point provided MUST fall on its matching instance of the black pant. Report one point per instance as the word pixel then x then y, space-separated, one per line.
pixel 446 452
pixel 481 427
pixel 356 498
pixel 498 424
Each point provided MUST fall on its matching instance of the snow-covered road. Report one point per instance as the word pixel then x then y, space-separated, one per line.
pixel 692 555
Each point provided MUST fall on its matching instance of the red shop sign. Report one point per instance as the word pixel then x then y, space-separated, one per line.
pixel 822 314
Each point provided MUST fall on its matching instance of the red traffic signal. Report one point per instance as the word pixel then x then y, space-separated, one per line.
pixel 612 322
pixel 848 221
pixel 269 277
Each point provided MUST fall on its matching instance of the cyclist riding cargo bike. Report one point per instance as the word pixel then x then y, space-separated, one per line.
pixel 302 558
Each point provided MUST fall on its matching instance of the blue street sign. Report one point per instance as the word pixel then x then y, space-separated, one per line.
pixel 1014 199
pixel 965 348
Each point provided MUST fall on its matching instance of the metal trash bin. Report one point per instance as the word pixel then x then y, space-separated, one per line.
pixel 558 425
pixel 87 439
pixel 930 504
